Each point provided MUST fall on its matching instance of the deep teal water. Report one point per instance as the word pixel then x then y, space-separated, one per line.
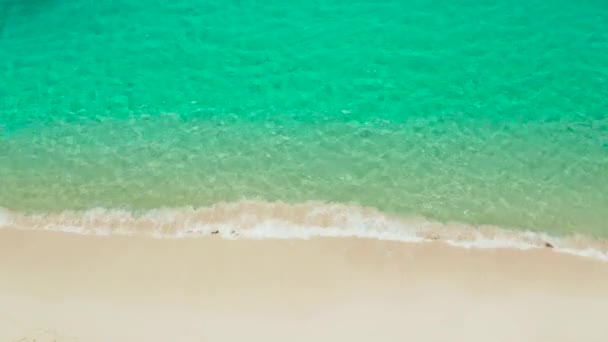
pixel 472 111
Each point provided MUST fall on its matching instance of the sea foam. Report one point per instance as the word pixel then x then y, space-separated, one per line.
pixel 277 220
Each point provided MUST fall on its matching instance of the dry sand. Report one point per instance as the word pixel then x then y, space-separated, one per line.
pixel 66 287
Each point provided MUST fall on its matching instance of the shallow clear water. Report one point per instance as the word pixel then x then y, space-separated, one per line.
pixel 481 112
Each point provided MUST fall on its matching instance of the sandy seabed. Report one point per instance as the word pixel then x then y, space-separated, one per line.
pixel 67 287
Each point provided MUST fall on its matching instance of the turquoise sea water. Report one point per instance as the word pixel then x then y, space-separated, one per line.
pixel 473 111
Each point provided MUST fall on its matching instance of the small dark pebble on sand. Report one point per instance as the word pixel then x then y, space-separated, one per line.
pixel 548 245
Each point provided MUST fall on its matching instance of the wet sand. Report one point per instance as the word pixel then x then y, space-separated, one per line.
pixel 68 287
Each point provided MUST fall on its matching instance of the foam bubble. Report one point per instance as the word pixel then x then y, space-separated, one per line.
pixel 5 218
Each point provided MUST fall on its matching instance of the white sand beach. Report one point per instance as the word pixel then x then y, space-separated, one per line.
pixel 67 287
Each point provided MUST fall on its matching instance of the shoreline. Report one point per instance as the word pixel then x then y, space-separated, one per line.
pixel 86 288
pixel 255 220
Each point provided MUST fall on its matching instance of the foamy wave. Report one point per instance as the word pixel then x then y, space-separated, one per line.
pixel 277 220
